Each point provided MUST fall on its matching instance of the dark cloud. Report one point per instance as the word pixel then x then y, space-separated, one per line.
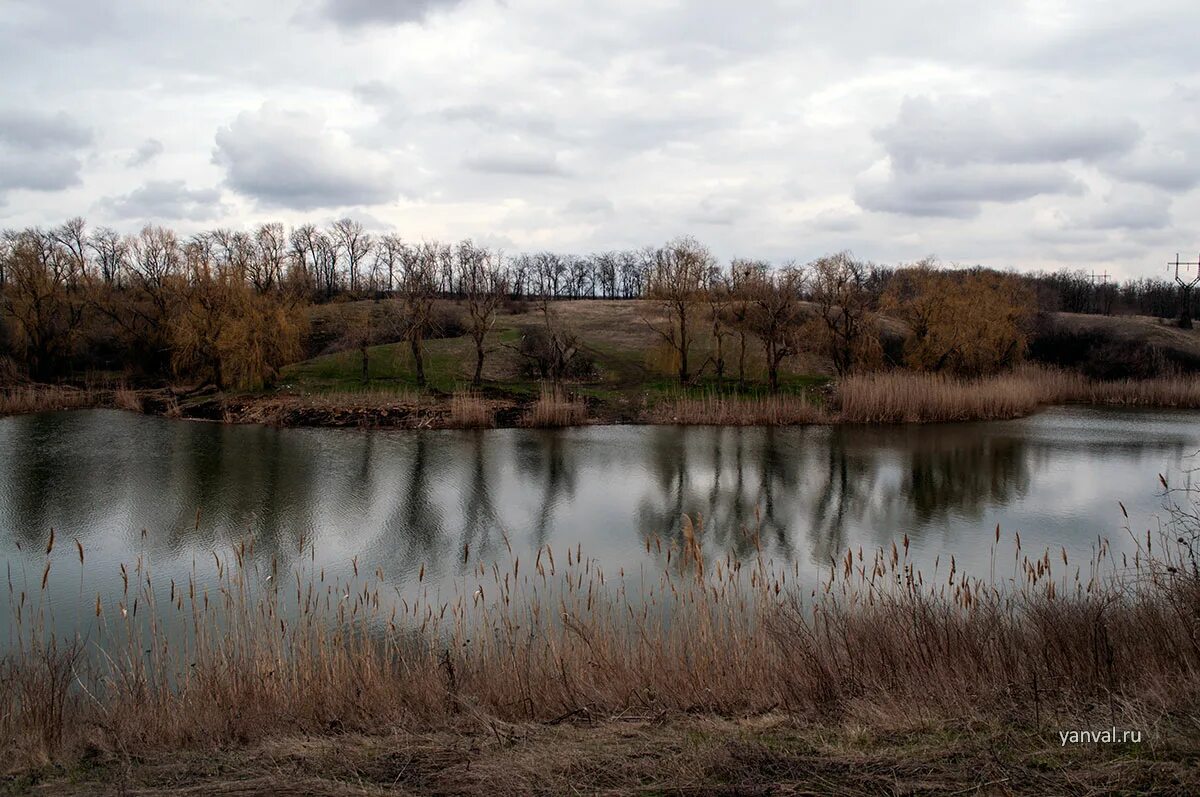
pixel 289 159
pixel 164 200
pixel 956 131
pixel 1168 169
pixel 960 193
pixel 147 151
pixel 35 131
pixel 949 155
pixel 38 171
pixel 1137 213
pixel 40 151
pixel 363 13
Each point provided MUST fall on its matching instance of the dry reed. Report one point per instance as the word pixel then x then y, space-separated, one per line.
pixel 469 410
pixel 555 408
pixel 264 651
pixel 904 396
pixel 45 398
pixel 719 410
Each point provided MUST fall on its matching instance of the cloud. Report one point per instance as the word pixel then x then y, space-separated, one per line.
pixel 1161 167
pixel 38 172
pixel 39 151
pixel 1132 213
pixel 36 131
pixel 947 156
pixel 717 210
pixel 960 130
pixel 959 193
pixel 596 206
pixel 164 200
pixel 518 161
pixel 290 159
pixel 363 13
pixel 147 151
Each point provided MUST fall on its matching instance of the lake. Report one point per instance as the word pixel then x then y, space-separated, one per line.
pixel 172 491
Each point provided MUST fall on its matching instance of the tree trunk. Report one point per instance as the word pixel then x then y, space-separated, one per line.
pixel 415 344
pixel 365 370
pixel 742 360
pixel 683 347
pixel 478 380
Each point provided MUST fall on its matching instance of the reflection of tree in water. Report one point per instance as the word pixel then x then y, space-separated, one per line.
pixel 751 484
pixel 844 496
pixel 548 457
pixel 479 510
pixel 416 518
pixel 31 480
pixel 964 474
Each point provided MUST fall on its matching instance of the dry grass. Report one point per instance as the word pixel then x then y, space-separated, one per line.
pixel 907 397
pixel 904 396
pixel 717 410
pixel 45 398
pixel 469 410
pixel 124 398
pixel 872 642
pixel 555 408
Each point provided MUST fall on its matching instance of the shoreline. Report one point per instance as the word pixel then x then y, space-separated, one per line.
pixel 499 410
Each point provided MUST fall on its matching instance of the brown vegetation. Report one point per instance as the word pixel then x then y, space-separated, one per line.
pixel 44 398
pixel 906 397
pixel 554 407
pixel 470 411
pixel 872 642
pixel 721 410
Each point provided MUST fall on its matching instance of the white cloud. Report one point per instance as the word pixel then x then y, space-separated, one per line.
pixel 1033 134
pixel 291 159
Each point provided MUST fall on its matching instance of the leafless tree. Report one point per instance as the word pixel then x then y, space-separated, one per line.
pixel 774 315
pixel 388 259
pixel 269 257
pixel 676 284
pixel 417 289
pixel 844 326
pixel 484 287
pixel 354 244
pixel 109 252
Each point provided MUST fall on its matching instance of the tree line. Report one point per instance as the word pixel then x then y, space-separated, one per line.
pixel 227 306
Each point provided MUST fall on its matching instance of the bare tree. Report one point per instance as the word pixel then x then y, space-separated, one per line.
pixel 676 283
pixel 388 259
pixel 109 250
pixel 741 277
pixel 844 327
pixel 269 257
pixel 774 315
pixel 484 287
pixel 417 289
pixel 354 244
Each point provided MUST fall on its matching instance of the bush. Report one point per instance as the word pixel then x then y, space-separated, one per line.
pixel 545 358
pixel 1099 354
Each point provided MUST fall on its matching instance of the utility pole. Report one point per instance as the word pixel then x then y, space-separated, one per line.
pixel 1185 284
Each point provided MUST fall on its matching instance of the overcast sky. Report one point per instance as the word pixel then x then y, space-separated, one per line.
pixel 1023 134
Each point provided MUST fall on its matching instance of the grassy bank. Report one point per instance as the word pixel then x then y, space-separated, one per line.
pixel 795 676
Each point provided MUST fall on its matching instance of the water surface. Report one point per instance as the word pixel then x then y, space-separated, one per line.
pixel 173 491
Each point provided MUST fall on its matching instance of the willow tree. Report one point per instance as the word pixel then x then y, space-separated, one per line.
pixel 969 322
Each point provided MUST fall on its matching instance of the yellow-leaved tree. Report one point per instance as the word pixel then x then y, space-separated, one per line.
pixel 231 335
pixel 968 322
